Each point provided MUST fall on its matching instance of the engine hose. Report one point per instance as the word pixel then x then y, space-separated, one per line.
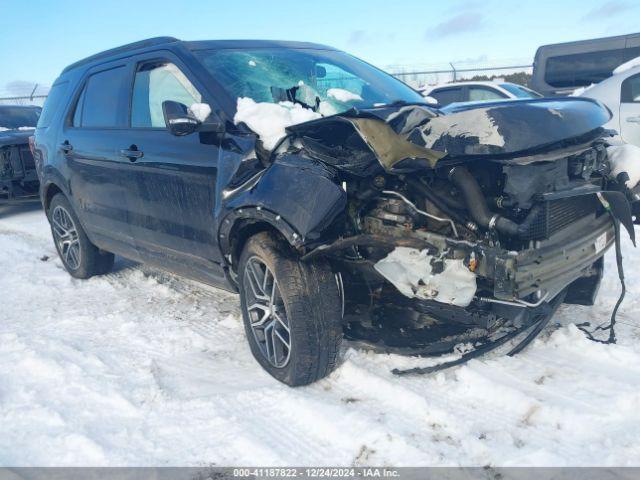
pixel 477 206
pixel 437 201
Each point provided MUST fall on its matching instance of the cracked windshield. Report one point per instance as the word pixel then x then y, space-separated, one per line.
pixel 325 81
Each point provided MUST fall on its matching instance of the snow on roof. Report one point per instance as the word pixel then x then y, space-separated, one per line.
pixel 634 62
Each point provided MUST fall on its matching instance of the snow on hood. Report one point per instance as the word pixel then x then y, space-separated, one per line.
pixel 475 123
pixel 634 62
pixel 269 120
pixel 411 272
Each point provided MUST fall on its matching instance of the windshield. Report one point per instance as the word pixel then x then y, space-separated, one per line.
pixel 520 91
pixel 15 118
pixel 326 81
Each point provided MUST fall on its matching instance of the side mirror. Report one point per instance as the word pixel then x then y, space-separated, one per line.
pixel 431 101
pixel 178 119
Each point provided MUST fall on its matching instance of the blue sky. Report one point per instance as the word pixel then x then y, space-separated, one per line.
pixel 40 37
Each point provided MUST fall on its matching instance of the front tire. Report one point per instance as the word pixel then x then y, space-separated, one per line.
pixel 80 257
pixel 291 311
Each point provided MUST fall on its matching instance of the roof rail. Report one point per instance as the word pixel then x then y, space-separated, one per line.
pixel 149 42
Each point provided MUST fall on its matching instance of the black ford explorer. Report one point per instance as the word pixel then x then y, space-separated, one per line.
pixel 18 178
pixel 329 195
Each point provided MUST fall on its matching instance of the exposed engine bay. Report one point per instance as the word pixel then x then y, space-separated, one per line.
pixel 478 219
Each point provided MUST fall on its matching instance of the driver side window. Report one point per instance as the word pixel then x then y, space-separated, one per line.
pixel 155 83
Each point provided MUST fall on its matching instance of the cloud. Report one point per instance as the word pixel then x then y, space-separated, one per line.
pixel 458 24
pixel 608 10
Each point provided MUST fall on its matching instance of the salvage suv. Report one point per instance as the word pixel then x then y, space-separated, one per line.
pixel 329 195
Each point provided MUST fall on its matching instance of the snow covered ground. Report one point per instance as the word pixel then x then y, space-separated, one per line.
pixel 143 368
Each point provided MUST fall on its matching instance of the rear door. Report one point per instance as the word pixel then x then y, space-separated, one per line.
pixel 91 140
pixel 630 110
pixel 175 176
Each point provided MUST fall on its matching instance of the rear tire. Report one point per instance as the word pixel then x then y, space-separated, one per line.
pixel 80 257
pixel 291 311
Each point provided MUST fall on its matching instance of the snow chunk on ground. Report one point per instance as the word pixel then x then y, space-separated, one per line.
pixel 343 95
pixel 410 271
pixel 625 158
pixel 269 120
pixel 200 110
pixel 634 62
pixel 5 129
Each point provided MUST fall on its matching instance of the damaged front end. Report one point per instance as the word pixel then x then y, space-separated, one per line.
pixel 472 223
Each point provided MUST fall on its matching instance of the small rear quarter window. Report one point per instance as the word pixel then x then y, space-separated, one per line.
pixel 52 103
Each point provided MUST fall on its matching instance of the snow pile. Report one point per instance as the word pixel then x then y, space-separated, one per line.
pixel 410 271
pixel 269 120
pixel 634 62
pixel 200 110
pixel 140 368
pixel 625 158
pixel 343 95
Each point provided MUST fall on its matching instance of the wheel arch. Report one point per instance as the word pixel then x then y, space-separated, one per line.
pixel 49 191
pixel 240 225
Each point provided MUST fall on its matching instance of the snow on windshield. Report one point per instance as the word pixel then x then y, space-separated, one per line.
pixel 343 95
pixel 269 120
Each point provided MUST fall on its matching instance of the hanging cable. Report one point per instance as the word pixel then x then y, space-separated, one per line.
pixel 612 322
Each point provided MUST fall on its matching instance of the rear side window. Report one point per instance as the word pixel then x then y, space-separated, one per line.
pixel 631 90
pixel 99 102
pixel 52 103
pixel 446 96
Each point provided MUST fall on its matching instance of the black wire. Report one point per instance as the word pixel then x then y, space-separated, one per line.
pixel 614 313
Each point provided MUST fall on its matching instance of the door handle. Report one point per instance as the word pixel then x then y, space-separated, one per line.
pixel 633 119
pixel 132 153
pixel 66 147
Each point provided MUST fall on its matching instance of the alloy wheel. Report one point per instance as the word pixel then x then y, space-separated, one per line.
pixel 267 317
pixel 65 234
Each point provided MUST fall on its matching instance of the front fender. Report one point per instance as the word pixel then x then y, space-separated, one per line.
pixel 297 195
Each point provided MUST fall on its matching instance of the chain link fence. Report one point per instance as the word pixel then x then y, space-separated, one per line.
pixel 23 93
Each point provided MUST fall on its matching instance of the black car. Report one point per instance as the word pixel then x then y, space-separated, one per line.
pixel 18 178
pixel 328 194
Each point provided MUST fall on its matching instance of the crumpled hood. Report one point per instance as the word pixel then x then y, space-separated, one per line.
pixel 15 137
pixel 410 137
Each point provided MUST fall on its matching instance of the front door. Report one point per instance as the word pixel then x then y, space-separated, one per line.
pixel 171 214
pixel 630 110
